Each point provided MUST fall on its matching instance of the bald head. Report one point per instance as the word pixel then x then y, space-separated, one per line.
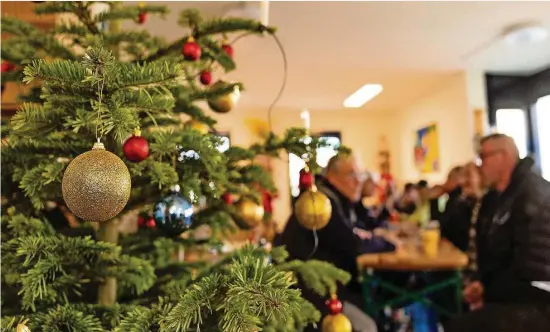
pixel 499 156
pixel 343 173
pixel 504 143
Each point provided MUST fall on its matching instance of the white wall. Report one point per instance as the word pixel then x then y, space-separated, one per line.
pixel 448 107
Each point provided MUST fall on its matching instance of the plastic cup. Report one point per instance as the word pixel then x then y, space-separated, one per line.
pixel 430 237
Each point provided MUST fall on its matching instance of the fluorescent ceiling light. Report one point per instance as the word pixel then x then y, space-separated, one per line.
pixel 524 34
pixel 363 95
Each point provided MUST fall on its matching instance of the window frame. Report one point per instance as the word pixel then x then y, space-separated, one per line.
pixel 518 92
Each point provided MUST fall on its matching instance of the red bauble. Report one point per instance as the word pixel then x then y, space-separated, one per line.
pixel 267 202
pixel 136 148
pixel 191 50
pixel 306 180
pixel 142 17
pixel 146 222
pixel 151 223
pixel 334 305
pixel 206 77
pixel 227 198
pixel 7 66
pixel 141 221
pixel 228 49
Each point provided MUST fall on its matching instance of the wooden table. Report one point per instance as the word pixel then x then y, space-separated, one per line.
pixel 410 258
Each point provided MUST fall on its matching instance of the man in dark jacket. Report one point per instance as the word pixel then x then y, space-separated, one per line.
pixel 514 246
pixel 339 243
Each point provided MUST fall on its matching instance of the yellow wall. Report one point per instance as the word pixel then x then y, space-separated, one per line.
pixel 448 107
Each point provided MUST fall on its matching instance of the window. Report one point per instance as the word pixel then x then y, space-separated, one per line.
pixel 513 122
pixel 542 115
pixel 296 164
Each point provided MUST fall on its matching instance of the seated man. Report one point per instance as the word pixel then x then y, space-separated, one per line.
pixel 338 243
pixel 407 202
pixel 513 249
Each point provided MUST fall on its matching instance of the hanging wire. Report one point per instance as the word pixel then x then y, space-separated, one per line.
pixel 285 75
pixel 315 244
pixel 283 85
pixel 101 86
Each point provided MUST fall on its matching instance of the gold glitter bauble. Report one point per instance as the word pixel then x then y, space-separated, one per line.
pixel 96 185
pixel 313 209
pixel 250 214
pixel 336 323
pixel 201 127
pixel 224 103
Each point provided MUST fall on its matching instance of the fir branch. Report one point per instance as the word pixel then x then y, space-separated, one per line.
pixel 230 25
pixel 141 319
pixel 34 120
pixel 65 317
pixel 197 303
pixel 57 72
pixel 130 12
pixel 319 276
pixel 35 37
pixel 54 7
pixel 214 51
pixel 39 181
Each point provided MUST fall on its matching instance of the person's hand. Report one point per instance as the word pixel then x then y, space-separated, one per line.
pixel 363 234
pixel 473 294
pixel 379 231
pixel 394 239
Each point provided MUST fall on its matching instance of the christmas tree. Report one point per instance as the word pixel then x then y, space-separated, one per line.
pixel 125 91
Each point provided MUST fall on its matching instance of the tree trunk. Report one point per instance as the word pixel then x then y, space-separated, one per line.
pixel 108 232
pixel 109 229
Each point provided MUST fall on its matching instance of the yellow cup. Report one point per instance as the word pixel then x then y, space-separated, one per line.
pixel 430 241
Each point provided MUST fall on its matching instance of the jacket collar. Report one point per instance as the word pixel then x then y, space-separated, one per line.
pixel 522 169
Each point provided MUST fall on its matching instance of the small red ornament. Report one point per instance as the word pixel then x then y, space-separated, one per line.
pixel 146 222
pixel 141 221
pixel 136 148
pixel 7 66
pixel 227 198
pixel 334 305
pixel 306 179
pixel 191 50
pixel 142 17
pixel 228 49
pixel 267 201
pixel 206 77
pixel 151 223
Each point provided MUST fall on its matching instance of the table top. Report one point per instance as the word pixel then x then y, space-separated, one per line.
pixel 409 257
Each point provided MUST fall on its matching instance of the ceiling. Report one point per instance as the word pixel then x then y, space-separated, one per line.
pixel 333 48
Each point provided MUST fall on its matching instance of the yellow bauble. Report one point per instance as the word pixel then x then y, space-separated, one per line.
pixel 96 185
pixel 224 103
pixel 198 126
pixel 313 209
pixel 250 214
pixel 336 323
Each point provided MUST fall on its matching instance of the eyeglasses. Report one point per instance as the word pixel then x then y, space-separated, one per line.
pixel 356 176
pixel 486 155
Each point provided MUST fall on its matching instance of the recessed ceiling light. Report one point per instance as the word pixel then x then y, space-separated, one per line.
pixel 523 34
pixel 363 95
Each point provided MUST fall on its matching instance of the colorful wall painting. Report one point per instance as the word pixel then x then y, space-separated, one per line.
pixel 426 149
